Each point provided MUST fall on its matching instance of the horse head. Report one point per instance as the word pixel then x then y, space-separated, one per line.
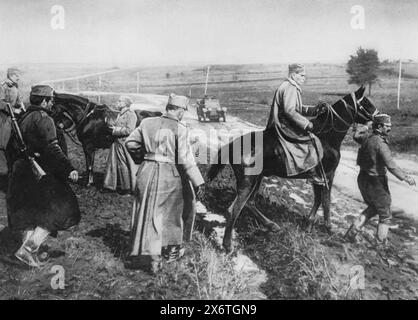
pixel 62 117
pixel 68 110
pixel 353 108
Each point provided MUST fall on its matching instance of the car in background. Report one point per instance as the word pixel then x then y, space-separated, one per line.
pixel 209 109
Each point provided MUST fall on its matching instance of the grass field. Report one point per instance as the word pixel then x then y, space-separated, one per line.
pixel 246 90
pixel 297 264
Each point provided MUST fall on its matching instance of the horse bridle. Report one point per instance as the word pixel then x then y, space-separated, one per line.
pixel 70 132
pixel 353 111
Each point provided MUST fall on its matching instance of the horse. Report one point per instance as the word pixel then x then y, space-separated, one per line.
pixel 331 128
pixel 88 122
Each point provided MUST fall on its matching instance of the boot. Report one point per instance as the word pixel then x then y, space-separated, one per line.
pixel 355 228
pixel 155 265
pixel 21 254
pixel 38 237
pixel 173 252
pixel 31 243
pixel 27 258
pixel 382 233
pixel 316 177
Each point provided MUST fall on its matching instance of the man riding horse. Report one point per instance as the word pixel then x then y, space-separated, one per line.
pixel 287 119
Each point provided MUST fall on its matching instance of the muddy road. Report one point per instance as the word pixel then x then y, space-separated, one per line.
pixel 288 264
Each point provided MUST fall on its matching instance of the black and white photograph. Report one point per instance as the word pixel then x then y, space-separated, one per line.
pixel 227 151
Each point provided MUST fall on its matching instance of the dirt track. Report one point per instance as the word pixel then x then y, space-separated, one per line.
pixel 92 254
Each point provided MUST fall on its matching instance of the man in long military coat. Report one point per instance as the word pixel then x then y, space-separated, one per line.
pixel 288 119
pixel 121 169
pixel 162 144
pixel 374 158
pixel 40 208
pixel 9 93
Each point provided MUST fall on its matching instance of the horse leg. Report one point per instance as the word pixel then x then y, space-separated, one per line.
pixel 244 191
pixel 271 225
pixel 89 165
pixel 311 219
pixel 326 203
pixel 266 222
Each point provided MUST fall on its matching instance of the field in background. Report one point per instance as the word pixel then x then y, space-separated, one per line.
pixel 246 90
pixel 296 264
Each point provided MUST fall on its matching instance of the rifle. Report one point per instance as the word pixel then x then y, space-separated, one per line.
pixel 35 167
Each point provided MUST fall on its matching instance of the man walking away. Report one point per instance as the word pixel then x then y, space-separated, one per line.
pixel 161 146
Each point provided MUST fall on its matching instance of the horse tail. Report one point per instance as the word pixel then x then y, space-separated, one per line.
pixel 224 157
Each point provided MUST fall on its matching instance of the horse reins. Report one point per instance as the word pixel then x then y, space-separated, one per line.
pixel 353 112
pixel 70 131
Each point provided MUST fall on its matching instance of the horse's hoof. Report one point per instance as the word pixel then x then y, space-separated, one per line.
pixel 329 230
pixel 274 227
pixel 227 247
pixel 309 224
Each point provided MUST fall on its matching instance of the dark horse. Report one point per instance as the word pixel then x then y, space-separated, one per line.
pixel 331 128
pixel 89 122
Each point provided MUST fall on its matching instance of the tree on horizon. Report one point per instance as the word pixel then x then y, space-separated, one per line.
pixel 363 67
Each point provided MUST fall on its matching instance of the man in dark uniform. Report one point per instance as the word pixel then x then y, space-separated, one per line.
pixel 48 206
pixel 9 93
pixel 374 158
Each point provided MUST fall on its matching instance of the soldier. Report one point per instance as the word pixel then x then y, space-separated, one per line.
pixel 48 206
pixel 9 93
pixel 121 169
pixel 287 118
pixel 374 158
pixel 162 192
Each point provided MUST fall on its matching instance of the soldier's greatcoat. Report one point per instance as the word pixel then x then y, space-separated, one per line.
pixel 287 119
pixel 50 203
pixel 164 199
pixel 121 169
pixel 9 93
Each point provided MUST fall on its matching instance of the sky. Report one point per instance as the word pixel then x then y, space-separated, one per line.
pixel 171 32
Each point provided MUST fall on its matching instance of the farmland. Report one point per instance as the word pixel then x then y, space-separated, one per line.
pixel 289 264
pixel 247 90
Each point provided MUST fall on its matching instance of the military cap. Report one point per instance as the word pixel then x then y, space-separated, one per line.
pixel 178 101
pixel 382 119
pixel 42 90
pixel 296 68
pixel 12 71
